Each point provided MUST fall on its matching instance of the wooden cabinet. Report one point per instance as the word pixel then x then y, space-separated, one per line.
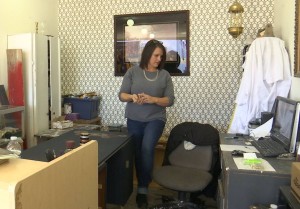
pixel 66 182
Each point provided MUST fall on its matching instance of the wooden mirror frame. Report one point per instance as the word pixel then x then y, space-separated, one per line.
pixel 171 28
pixel 297 41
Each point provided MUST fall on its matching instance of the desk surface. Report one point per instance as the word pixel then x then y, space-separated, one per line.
pixel 281 166
pixel 108 144
pixel 54 132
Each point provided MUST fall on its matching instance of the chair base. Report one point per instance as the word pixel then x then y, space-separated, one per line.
pixel 169 202
pixel 166 199
pixel 182 196
pixel 177 205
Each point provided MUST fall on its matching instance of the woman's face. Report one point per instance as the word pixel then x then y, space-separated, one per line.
pixel 155 59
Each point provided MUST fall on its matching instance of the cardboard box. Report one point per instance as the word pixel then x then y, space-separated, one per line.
pixel 295 180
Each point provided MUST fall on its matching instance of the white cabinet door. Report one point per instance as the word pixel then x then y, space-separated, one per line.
pixel 55 92
pixel 40 76
pixel 41 79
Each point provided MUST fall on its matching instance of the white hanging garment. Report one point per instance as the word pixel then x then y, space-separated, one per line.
pixel 266 75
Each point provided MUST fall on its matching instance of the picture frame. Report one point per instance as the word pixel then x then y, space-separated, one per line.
pixel 297 41
pixel 133 31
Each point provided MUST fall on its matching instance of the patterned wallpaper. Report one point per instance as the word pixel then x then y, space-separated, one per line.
pixel 86 31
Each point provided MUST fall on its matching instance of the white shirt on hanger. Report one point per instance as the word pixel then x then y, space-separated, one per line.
pixel 266 75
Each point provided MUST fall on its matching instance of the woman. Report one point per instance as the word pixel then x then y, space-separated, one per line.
pixel 148 90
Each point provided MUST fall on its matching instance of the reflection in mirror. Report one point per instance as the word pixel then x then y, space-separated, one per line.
pixel 170 28
pixel 173 63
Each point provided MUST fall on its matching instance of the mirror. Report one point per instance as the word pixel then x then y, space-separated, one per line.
pixel 133 31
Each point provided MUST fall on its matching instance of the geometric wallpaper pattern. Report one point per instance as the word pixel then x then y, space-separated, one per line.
pixel 86 32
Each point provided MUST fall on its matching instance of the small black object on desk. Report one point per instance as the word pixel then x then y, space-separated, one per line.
pixel 50 154
pixel 231 137
pixel 239 153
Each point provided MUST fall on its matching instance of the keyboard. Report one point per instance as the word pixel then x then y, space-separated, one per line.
pixel 268 147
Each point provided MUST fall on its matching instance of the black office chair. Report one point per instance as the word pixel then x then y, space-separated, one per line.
pixel 189 171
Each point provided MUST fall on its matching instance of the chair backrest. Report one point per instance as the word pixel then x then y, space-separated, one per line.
pixel 199 157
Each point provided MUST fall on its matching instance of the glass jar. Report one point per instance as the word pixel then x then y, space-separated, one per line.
pixel 70 145
pixel 14 145
pixel 84 137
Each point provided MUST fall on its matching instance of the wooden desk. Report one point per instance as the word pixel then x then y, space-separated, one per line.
pixel 241 188
pixel 115 157
pixel 59 184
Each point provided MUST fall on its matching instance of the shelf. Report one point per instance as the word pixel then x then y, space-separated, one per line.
pixel 8 109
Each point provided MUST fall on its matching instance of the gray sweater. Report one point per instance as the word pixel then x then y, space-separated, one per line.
pixel 134 82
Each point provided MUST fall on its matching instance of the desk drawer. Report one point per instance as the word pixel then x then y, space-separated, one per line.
pixel 120 175
pixel 102 172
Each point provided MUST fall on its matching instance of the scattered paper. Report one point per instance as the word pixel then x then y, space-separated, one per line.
pixel 250 155
pixel 245 148
pixel 9 156
pixel 6 154
pixel 263 166
pixel 263 130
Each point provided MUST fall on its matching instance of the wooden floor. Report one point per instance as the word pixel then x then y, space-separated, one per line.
pixel 155 198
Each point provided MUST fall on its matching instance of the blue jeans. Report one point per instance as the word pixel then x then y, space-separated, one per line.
pixel 145 136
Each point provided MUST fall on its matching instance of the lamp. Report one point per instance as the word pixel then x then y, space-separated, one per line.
pixel 236 19
pixel 130 22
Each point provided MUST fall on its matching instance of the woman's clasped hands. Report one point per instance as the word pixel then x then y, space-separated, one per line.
pixel 143 99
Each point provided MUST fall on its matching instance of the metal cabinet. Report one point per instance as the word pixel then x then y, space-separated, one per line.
pixel 240 188
pixel 120 175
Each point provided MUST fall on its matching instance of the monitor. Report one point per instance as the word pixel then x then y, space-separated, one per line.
pixel 285 123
